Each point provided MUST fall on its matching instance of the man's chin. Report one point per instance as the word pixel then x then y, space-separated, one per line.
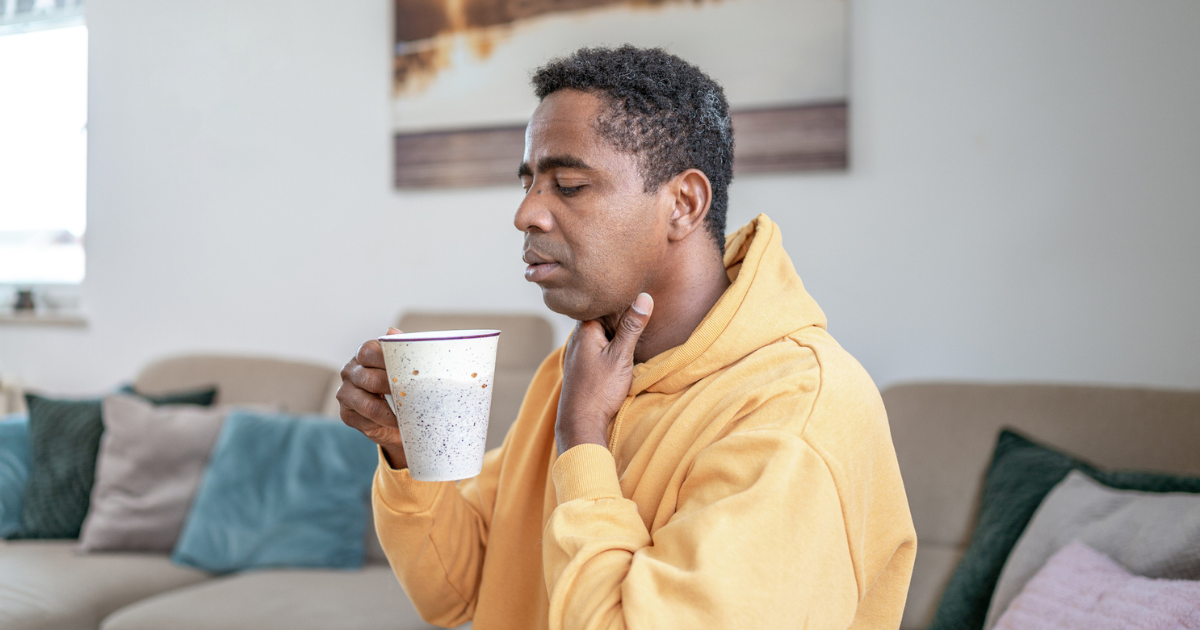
pixel 565 302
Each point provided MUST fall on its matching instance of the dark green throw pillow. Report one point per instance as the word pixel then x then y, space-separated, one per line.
pixel 203 397
pixel 1021 474
pixel 64 439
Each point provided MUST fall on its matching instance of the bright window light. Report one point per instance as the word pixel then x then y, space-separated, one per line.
pixel 43 156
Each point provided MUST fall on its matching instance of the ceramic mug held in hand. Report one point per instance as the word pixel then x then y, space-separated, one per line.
pixel 441 384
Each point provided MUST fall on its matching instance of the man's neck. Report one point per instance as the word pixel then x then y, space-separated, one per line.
pixel 680 304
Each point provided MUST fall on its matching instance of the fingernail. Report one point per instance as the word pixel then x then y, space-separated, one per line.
pixel 642 304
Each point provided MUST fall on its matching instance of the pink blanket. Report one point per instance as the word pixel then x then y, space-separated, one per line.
pixel 1080 588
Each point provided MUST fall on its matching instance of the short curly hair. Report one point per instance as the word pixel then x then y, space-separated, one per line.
pixel 663 110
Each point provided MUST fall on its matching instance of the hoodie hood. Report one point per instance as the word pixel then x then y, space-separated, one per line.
pixel 765 302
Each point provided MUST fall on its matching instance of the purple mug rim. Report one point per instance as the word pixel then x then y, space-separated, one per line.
pixel 479 334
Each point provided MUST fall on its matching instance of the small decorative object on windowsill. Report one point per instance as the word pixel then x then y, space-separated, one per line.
pixel 24 308
pixel 24 301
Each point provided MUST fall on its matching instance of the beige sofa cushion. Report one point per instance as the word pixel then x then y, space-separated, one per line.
pixel 944 434
pixel 293 386
pixel 298 599
pixel 47 585
pixel 931 573
pixel 332 408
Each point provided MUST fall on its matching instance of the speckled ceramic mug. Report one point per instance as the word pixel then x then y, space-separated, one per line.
pixel 442 393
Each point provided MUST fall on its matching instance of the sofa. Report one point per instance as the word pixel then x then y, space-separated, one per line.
pixel 943 434
pixel 48 585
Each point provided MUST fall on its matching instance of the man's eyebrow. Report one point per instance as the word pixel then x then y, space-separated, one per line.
pixel 562 161
pixel 551 162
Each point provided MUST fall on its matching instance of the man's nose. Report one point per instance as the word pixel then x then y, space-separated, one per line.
pixel 533 215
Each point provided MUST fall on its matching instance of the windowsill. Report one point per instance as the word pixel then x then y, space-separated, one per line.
pixel 9 317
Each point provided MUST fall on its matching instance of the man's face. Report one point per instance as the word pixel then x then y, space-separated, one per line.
pixel 592 236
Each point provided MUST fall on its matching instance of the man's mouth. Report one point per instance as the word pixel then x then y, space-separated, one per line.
pixel 539 267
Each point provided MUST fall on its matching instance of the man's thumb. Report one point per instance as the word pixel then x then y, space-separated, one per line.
pixel 633 322
pixel 393 331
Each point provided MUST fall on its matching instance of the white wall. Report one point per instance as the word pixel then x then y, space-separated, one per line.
pixel 1024 200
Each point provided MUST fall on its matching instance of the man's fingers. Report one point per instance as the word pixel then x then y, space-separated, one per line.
pixel 364 381
pixel 633 322
pixel 386 436
pixel 356 401
pixel 589 333
pixel 371 379
pixel 358 421
pixel 370 373
pixel 370 354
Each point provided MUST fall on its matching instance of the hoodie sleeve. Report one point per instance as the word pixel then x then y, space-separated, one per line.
pixel 434 535
pixel 758 540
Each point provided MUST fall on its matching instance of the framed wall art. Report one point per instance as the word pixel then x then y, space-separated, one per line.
pixel 460 76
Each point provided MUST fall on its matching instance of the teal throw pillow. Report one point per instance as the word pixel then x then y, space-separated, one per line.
pixel 1021 474
pixel 64 438
pixel 14 470
pixel 280 491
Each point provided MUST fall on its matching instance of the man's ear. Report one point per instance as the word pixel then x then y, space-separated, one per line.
pixel 692 194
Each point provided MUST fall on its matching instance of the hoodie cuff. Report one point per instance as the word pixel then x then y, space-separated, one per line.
pixel 400 492
pixel 587 472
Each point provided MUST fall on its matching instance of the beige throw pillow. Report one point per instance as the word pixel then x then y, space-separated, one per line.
pixel 1154 535
pixel 150 464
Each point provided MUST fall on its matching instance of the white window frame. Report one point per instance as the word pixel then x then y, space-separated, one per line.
pixel 56 304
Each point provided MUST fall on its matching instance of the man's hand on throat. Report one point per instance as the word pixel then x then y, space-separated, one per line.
pixel 597 374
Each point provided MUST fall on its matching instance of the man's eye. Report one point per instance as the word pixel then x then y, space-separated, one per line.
pixel 567 191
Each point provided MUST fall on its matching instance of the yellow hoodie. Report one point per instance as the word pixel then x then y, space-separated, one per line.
pixel 749 482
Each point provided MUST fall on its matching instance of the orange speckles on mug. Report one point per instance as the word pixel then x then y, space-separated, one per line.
pixel 394 379
pixel 402 394
pixel 485 385
pixel 474 374
pixel 416 372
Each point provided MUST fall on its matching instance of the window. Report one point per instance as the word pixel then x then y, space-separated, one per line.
pixel 43 142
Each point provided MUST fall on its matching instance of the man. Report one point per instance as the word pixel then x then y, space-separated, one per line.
pixel 701 454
